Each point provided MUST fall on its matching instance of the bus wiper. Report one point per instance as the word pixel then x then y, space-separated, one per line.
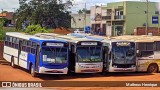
pixel 53 53
pixel 59 51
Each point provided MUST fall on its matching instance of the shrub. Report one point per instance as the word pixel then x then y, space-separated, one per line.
pixel 33 29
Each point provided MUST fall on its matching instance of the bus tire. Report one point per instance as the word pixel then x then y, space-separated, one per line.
pixel 32 71
pixel 12 62
pixel 152 68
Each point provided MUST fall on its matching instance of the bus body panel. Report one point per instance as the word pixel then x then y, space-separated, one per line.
pixel 31 60
pixel 45 70
pixel 114 69
pixel 27 58
pixel 23 59
pixel 9 52
pixel 144 64
pixel 89 67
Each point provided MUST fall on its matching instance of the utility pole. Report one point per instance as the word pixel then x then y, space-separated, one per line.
pixel 101 26
pixel 147 18
pixel 2 13
pixel 85 16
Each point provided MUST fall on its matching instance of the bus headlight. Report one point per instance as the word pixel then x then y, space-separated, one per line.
pixel 115 66
pixel 133 66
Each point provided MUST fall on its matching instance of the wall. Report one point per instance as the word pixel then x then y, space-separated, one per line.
pixel 135 15
pixel 98 10
pixel 80 20
pixel 142 31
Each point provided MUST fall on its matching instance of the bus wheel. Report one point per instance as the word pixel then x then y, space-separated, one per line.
pixel 33 73
pixel 12 62
pixel 153 68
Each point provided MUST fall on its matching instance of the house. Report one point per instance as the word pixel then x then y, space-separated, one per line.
pixel 121 18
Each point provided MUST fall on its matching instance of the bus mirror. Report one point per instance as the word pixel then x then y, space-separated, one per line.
pixel 137 51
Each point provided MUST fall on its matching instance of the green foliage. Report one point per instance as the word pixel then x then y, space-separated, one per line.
pixel 4 21
pixel 1 24
pixel 33 29
pixel 47 13
pixel 6 29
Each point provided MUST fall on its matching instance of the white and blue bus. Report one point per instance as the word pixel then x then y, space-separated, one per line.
pixel 118 55
pixel 85 54
pixel 39 55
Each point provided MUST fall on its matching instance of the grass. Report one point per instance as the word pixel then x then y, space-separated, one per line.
pixel 6 29
pixel 50 30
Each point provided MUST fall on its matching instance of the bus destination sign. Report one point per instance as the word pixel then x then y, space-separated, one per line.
pixel 55 44
pixel 123 43
pixel 89 43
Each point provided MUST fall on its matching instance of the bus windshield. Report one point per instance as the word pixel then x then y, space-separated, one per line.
pixel 89 54
pixel 123 54
pixel 54 55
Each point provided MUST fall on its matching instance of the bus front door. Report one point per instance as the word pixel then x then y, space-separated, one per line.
pixel 105 59
pixel 19 50
pixel 37 57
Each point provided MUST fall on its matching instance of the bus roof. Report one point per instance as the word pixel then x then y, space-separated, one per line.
pixel 73 38
pixel 30 37
pixel 142 38
pixel 19 35
pixel 68 37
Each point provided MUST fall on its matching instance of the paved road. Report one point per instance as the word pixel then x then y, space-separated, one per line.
pixel 8 73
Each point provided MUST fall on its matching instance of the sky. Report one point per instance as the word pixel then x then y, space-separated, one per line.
pixel 8 5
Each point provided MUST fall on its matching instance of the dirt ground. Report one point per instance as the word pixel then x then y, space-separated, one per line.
pixel 62 31
pixel 8 73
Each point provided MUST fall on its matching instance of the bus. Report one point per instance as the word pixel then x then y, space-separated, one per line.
pixel 118 55
pixel 148 51
pixel 85 54
pixel 38 55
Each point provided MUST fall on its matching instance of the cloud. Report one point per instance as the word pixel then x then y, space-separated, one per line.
pixel 8 5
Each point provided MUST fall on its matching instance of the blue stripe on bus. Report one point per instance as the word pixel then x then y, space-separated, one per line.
pixel 16 57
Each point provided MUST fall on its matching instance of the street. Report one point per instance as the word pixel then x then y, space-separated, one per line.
pixel 18 74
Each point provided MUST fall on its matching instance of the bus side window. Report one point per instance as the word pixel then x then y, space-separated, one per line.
pixel 10 41
pixel 146 53
pixel 157 46
pixel 24 45
pixel 28 49
pixel 33 44
pixel 33 48
pixel 17 43
pixel 14 42
pixel 6 41
pixel 33 51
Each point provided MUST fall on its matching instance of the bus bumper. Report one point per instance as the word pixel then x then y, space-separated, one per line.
pixel 112 69
pixel 43 70
pixel 88 67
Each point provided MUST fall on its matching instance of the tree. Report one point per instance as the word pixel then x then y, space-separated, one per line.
pixel 1 23
pixel 47 13
pixel 83 11
pixel 33 29
pixel 4 12
pixel 80 12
